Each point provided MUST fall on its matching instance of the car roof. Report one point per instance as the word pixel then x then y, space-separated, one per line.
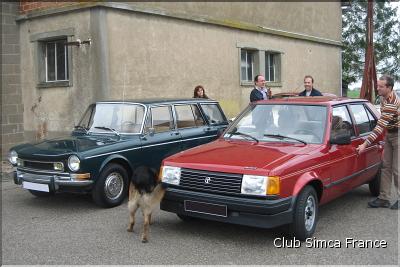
pixel 148 101
pixel 316 100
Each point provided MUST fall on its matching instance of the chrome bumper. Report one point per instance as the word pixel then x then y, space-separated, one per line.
pixel 54 180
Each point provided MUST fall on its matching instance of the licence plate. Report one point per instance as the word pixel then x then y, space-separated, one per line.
pixel 37 187
pixel 206 208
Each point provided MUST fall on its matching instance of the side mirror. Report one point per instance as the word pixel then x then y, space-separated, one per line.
pixel 341 137
pixel 151 131
pixel 220 131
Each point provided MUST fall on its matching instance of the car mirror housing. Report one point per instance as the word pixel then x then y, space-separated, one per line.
pixel 342 137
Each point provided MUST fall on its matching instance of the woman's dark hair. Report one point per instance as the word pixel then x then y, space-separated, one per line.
pixel 196 90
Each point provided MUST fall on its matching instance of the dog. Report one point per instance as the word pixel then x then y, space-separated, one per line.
pixel 145 191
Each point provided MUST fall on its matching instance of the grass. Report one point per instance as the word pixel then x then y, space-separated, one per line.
pixel 353 93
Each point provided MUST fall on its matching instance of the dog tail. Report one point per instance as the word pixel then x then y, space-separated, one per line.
pixel 159 192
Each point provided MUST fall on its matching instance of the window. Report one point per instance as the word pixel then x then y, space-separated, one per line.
pixel 272 63
pixel 255 61
pixel 213 113
pixel 54 57
pixel 55 60
pixel 363 123
pixel 161 119
pixel 341 121
pixel 247 65
pixel 188 116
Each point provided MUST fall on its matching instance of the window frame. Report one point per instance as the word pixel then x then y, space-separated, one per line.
pixel 40 41
pixel 260 64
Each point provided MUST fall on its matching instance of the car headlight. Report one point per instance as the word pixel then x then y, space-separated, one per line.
pixel 170 175
pixel 12 157
pixel 73 163
pixel 260 185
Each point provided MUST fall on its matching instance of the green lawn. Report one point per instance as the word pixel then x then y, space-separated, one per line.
pixel 353 93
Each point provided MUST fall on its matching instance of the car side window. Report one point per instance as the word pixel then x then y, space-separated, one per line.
pixel 341 121
pixel 213 113
pixel 161 119
pixel 188 116
pixel 363 123
pixel 371 118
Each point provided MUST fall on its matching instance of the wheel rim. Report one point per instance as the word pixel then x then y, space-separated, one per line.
pixel 309 213
pixel 114 185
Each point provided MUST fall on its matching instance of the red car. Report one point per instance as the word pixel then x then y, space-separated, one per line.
pixel 276 164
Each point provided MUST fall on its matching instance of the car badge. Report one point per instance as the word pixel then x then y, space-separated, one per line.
pixel 207 180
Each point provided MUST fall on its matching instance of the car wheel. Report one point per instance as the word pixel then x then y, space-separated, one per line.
pixel 111 186
pixel 41 194
pixel 305 214
pixel 375 184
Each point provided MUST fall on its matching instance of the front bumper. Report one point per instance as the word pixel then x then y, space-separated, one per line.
pixel 260 213
pixel 56 181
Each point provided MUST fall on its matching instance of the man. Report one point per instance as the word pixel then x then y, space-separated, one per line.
pixel 259 92
pixel 388 121
pixel 309 89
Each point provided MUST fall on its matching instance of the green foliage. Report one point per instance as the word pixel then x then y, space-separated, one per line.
pixel 386 40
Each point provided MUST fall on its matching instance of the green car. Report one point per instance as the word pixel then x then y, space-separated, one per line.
pixel 111 140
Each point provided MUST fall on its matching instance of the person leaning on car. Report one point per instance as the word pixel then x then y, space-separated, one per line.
pixel 388 121
pixel 259 91
pixel 309 90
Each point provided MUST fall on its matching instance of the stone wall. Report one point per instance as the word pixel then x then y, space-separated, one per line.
pixel 12 128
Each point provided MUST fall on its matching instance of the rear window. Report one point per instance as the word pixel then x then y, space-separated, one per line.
pixel 213 113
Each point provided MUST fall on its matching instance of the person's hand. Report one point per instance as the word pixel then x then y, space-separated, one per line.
pixel 361 148
pixel 269 92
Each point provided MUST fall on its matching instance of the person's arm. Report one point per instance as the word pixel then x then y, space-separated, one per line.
pixel 388 112
pixel 253 95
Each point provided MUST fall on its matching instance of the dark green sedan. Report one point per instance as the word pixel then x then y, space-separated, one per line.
pixel 111 140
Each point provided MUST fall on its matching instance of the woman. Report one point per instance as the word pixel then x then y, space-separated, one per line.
pixel 199 92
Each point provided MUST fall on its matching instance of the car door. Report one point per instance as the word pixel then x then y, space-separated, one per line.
pixel 367 162
pixel 191 125
pixel 342 157
pixel 160 138
pixel 215 119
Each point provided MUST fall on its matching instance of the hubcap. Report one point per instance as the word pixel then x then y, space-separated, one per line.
pixel 114 185
pixel 309 213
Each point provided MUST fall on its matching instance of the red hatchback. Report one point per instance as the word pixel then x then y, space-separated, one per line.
pixel 276 164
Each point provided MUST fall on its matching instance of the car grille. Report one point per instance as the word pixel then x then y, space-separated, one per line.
pixel 215 182
pixel 38 165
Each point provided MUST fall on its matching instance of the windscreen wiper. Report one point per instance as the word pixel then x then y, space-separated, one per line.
pixel 278 136
pixel 108 129
pixel 81 128
pixel 243 134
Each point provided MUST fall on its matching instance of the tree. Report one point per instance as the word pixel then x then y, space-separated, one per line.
pixel 386 40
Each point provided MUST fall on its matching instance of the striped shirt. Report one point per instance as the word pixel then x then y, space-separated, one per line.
pixel 389 117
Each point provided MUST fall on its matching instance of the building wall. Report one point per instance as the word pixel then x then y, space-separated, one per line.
pixel 140 52
pixel 12 127
pixel 310 18
pixel 159 56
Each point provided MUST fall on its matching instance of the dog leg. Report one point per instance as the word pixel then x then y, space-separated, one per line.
pixel 132 206
pixel 146 226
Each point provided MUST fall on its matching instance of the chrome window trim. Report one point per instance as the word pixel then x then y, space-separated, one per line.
pixel 160 144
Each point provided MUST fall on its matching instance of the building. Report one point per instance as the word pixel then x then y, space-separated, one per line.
pixel 61 56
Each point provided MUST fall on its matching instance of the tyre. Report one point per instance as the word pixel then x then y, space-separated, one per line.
pixel 111 186
pixel 305 214
pixel 375 184
pixel 41 194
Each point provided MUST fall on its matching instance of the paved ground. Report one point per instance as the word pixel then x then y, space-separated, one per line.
pixel 70 229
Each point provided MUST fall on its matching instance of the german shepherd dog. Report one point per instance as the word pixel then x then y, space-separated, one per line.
pixel 145 192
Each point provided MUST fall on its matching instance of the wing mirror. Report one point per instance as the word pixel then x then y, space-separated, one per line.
pixel 341 137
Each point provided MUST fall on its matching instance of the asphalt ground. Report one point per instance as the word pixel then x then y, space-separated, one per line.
pixel 70 229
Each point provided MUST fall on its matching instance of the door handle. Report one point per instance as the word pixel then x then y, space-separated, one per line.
pixel 175 133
